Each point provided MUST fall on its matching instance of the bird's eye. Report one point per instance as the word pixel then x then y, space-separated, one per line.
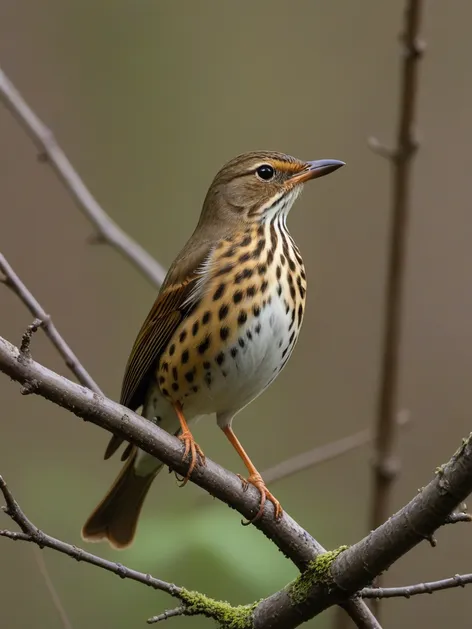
pixel 265 172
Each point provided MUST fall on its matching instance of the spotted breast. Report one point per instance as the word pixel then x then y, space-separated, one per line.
pixel 245 326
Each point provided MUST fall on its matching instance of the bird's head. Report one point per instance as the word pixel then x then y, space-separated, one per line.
pixel 254 186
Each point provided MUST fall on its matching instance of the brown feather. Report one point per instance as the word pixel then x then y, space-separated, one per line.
pixel 116 517
pixel 173 303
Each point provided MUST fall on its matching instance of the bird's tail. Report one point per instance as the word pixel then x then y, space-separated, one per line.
pixel 116 517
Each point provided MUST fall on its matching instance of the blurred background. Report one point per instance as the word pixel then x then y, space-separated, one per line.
pixel 148 100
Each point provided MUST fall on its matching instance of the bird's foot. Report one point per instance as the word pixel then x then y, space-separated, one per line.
pixel 256 480
pixel 193 452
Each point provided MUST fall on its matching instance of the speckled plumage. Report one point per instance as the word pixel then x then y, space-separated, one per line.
pixel 231 347
pixel 223 326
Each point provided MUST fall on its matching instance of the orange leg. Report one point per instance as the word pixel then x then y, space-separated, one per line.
pixel 254 478
pixel 192 449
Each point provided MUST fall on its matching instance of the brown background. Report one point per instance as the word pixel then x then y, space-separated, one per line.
pixel 149 99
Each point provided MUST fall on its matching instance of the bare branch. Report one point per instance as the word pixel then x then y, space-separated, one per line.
pixel 385 428
pixel 407 591
pixel 324 453
pixel 44 321
pixel 316 456
pixel 32 534
pixel 50 152
pixel 385 466
pixel 343 573
pixel 170 613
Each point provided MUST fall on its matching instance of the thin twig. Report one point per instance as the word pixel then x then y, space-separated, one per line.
pixel 385 466
pixel 316 456
pixel 39 558
pixel 324 453
pixel 50 152
pixel 170 613
pixel 407 591
pixel 29 533
pixel 28 335
pixel 44 321
pixel 455 518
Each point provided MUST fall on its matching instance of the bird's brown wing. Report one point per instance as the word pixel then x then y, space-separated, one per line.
pixel 173 303
pixel 160 324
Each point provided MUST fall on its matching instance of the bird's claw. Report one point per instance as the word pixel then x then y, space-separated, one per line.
pixel 256 480
pixel 193 452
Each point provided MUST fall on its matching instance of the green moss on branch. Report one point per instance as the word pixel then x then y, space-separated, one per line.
pixel 317 573
pixel 229 617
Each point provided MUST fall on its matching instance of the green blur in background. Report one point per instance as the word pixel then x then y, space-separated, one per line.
pixel 149 99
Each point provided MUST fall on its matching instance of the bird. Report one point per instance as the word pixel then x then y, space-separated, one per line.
pixel 223 326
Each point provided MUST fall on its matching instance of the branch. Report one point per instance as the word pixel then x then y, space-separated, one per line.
pixel 385 465
pixel 316 456
pixel 344 572
pixel 401 161
pixel 324 453
pixel 170 613
pixel 107 230
pixel 288 536
pixel 407 591
pixel 327 578
pixel 30 533
pixel 44 321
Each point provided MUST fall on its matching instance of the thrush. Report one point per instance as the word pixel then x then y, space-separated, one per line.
pixel 222 328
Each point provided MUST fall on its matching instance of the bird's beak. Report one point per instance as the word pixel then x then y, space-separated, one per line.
pixel 318 168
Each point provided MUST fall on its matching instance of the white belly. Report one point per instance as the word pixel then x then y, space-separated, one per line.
pixel 251 362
